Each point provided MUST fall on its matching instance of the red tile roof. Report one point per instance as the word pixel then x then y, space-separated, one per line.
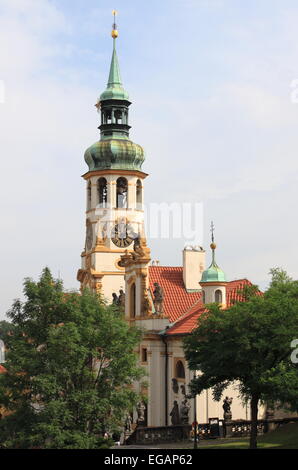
pixel 177 300
pixel 189 321
pixel 2 370
pixel 181 306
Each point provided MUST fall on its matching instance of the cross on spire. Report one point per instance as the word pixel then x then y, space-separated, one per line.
pixel 114 13
pixel 212 231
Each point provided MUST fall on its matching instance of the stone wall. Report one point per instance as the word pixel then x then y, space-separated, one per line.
pixel 163 434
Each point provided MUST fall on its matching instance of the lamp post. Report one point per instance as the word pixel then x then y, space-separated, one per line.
pixel 195 444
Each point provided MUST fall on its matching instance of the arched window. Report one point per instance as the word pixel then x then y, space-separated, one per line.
pixel 89 195
pixel 2 352
pixel 118 116
pixel 102 189
pixel 180 371
pixel 203 297
pixel 133 301
pixel 139 195
pixel 218 296
pixel 122 188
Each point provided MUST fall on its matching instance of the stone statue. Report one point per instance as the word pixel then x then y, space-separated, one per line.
pixel 183 391
pixel 115 299
pixel 227 408
pixel 175 414
pixel 128 423
pixel 184 412
pixel 141 413
pixel 158 298
pixel 175 386
pixel 121 299
pixel 147 306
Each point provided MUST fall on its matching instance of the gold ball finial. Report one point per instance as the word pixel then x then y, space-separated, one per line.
pixel 115 33
pixel 213 246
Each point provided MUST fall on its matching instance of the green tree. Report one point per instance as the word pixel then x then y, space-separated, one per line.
pixel 5 327
pixel 249 344
pixel 71 364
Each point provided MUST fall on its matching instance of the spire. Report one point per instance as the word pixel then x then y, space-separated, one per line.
pixel 213 245
pixel 114 89
pixel 213 273
pixel 114 77
pixel 114 150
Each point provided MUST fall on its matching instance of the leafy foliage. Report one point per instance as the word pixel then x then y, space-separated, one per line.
pixel 71 365
pixel 249 343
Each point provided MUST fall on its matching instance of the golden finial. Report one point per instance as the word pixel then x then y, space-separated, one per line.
pixel 115 33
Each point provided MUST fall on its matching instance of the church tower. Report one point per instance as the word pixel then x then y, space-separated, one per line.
pixel 214 282
pixel 115 190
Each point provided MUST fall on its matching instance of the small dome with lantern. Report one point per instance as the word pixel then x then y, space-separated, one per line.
pixel 214 273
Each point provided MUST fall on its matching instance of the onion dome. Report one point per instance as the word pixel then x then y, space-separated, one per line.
pixel 115 154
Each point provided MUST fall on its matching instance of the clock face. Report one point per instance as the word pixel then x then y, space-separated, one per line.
pixel 123 235
pixel 89 237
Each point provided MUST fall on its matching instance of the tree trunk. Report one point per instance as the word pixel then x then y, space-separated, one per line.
pixel 254 420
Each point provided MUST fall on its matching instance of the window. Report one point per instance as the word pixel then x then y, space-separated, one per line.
pixel 180 371
pixel 139 195
pixel 218 296
pixel 102 189
pixel 89 195
pixel 122 188
pixel 118 116
pixel 144 355
pixel 203 297
pixel 133 301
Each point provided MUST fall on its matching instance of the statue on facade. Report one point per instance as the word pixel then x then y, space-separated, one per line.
pixel 147 305
pixel 227 408
pixel 175 414
pixel 184 412
pixel 121 299
pixel 158 298
pixel 183 391
pixel 115 299
pixel 175 386
pixel 141 408
pixel 128 423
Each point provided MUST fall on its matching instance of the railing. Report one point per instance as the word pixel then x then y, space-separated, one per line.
pixel 242 428
pixel 163 434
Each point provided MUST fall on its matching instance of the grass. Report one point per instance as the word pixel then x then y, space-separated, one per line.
pixel 285 437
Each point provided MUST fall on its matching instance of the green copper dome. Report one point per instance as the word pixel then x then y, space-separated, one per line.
pixel 213 273
pixel 115 154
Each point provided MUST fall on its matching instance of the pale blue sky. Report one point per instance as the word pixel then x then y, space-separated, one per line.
pixel 210 83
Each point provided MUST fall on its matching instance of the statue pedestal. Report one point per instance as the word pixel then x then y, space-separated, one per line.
pixel 229 428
